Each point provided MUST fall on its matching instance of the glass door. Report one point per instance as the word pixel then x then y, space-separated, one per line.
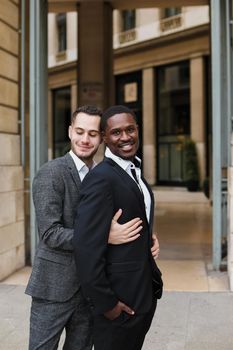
pixel 173 121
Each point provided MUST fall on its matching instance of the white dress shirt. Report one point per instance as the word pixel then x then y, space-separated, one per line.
pixel 81 166
pixel 127 165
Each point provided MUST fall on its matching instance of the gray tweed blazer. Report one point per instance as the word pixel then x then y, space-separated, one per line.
pixel 55 195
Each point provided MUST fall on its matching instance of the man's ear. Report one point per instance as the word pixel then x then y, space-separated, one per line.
pixel 69 131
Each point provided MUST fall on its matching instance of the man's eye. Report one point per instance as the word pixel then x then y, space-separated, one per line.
pixel 93 134
pixel 116 132
pixel 131 130
pixel 79 132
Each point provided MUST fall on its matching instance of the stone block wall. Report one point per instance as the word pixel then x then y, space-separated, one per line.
pixel 12 241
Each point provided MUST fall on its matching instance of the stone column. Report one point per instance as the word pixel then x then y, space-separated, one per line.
pixel 50 124
pixel 74 102
pixel 95 54
pixel 149 145
pixel 38 100
pixel 230 228
pixel 198 117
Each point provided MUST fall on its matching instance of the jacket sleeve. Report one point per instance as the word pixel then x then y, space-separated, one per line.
pixel 48 196
pixel 91 229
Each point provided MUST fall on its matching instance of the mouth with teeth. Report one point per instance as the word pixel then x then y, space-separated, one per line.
pixel 126 146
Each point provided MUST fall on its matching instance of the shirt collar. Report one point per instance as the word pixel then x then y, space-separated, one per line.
pixel 79 163
pixel 123 163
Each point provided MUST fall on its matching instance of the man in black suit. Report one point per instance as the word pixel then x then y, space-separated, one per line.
pixel 122 283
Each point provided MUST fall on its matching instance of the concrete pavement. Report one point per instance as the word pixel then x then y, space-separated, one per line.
pixel 192 321
pixel 183 321
pixel 196 311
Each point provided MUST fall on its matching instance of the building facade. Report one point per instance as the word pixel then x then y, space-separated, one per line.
pixel 161 67
pixel 156 60
pixel 12 228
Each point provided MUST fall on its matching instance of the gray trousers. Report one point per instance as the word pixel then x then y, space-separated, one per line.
pixel 48 319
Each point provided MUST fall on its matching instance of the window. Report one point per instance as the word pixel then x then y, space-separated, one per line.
pixel 61 29
pixel 174 104
pixel 128 20
pixel 171 11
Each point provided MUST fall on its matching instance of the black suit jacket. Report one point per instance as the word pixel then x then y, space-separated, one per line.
pixel 109 273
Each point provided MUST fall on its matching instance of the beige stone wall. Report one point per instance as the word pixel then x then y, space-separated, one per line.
pixel 145 16
pixel 151 23
pixel 56 58
pixel 12 242
pixel 165 50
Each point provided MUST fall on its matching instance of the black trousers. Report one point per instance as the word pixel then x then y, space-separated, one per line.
pixel 124 333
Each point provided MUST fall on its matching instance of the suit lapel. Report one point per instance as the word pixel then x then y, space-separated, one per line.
pixel 72 169
pixel 130 183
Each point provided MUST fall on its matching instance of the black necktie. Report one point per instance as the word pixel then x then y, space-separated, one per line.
pixel 137 164
pixel 133 172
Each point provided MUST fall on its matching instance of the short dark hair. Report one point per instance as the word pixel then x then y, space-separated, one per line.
pixel 90 110
pixel 111 111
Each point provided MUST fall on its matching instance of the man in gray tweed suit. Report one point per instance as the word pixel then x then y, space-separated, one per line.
pixel 57 300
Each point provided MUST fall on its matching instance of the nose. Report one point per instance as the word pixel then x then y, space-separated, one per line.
pixel 85 138
pixel 125 136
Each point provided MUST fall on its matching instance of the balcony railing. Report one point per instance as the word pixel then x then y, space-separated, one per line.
pixel 129 35
pixel 61 56
pixel 170 23
pixel 163 27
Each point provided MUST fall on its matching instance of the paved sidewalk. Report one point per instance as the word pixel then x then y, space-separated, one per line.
pixel 196 311
pixel 184 321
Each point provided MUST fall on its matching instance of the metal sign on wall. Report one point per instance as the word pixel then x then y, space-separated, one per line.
pixel 131 92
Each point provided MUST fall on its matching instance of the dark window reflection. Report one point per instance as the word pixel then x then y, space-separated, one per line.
pixel 174 111
pixel 128 20
pixel 61 120
pixel 173 96
pixel 171 11
pixel 61 29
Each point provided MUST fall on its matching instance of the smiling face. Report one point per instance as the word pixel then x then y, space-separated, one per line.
pixel 121 135
pixel 85 136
